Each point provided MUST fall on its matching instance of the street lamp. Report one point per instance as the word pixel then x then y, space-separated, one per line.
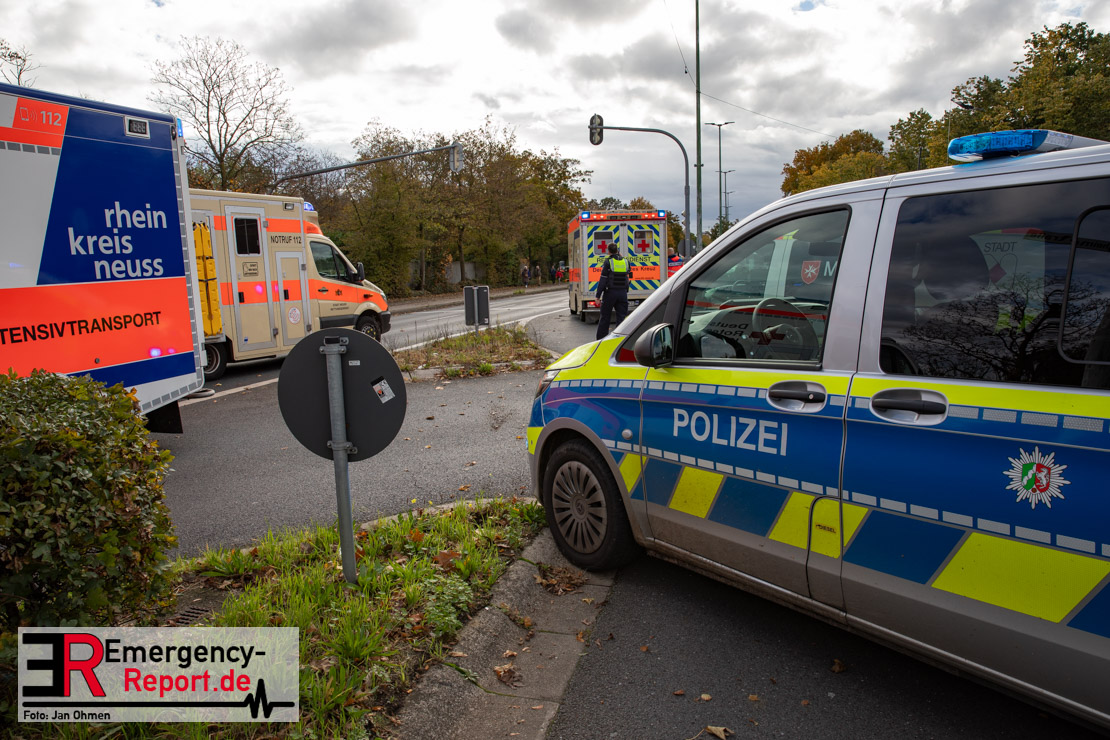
pixel 720 186
pixel 725 192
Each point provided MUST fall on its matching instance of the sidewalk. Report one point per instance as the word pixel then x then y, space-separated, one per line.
pixel 508 672
pixel 444 300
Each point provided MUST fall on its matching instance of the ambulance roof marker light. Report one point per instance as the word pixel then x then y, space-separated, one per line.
pixel 994 144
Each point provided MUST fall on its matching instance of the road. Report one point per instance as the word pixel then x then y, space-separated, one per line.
pixel 411 329
pixel 238 470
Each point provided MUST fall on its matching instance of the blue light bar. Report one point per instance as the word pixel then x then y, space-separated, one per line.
pixel 662 214
pixel 585 215
pixel 308 206
pixel 1013 143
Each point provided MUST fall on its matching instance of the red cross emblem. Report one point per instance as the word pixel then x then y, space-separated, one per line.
pixel 643 247
pixel 601 247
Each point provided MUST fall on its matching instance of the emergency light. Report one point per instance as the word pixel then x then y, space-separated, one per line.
pixel 1013 143
pixel 308 206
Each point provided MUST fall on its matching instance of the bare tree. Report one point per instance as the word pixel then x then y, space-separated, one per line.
pixel 239 110
pixel 16 65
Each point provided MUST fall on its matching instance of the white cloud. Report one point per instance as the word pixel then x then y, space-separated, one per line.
pixel 544 66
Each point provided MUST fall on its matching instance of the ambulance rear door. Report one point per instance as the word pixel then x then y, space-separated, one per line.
pixel 250 274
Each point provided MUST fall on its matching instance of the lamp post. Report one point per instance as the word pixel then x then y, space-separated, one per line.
pixel 720 187
pixel 725 192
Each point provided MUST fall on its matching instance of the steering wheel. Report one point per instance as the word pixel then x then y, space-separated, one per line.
pixel 785 332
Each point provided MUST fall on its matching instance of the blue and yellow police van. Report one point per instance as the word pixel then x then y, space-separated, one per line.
pixel 885 403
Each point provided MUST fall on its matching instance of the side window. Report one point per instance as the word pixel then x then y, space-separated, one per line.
pixel 768 297
pixel 977 280
pixel 325 260
pixel 247 239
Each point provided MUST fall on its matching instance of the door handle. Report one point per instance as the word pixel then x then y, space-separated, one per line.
pixel 918 406
pixel 321 290
pixel 806 396
pixel 797 395
pixel 910 406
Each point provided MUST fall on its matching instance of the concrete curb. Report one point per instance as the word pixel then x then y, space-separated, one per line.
pixel 465 700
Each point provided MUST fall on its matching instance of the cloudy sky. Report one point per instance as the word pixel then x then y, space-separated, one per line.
pixel 789 73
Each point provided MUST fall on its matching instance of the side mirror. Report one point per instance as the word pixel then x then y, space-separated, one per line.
pixel 361 272
pixel 655 347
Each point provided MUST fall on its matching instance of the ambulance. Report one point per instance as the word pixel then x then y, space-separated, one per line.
pixel 97 269
pixel 269 277
pixel 884 403
pixel 642 238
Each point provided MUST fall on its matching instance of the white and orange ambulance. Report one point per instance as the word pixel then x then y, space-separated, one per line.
pixel 269 277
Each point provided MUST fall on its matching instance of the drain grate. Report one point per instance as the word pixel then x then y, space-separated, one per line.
pixel 191 615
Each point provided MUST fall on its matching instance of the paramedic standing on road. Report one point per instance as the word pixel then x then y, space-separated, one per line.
pixel 612 290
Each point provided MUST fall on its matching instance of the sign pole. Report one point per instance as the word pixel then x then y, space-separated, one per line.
pixel 332 348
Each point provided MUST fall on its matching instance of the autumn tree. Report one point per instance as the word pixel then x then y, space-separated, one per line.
pixel 16 65
pixel 807 161
pixel 1063 82
pixel 239 111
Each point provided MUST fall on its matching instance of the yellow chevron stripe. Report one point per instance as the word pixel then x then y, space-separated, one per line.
pixel 792 527
pixel 533 437
pixel 1021 576
pixel 696 491
pixel 825 536
pixel 630 468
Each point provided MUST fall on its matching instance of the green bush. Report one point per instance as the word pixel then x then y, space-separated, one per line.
pixel 83 524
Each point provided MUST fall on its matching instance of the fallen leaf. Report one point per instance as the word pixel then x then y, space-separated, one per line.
pixel 644 648
pixel 587 601
pixel 610 637
pixel 581 636
pixel 508 654
pixel 718 732
pixel 805 702
pixel 538 706
pixel 416 536
pixel 408 439
pixel 428 418
pixel 427 447
pixel 527 622
pixel 446 559
pixel 457 654
pixel 472 462
pixel 838 666
pixel 507 675
pixel 705 697
pixel 519 436
pixel 680 692
pixel 753 697
pixel 465 488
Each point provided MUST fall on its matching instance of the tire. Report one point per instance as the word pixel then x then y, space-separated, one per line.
pixel 215 361
pixel 584 508
pixel 369 325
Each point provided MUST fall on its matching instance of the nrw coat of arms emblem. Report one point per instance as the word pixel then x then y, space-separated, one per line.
pixel 1035 477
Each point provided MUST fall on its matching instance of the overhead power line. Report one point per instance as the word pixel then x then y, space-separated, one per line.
pixel 686 72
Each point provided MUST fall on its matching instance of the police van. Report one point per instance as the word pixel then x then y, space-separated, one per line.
pixel 886 403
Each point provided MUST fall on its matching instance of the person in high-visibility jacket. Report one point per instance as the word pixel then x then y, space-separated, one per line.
pixel 612 290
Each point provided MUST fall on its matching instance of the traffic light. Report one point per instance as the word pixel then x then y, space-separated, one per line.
pixel 597 129
pixel 456 157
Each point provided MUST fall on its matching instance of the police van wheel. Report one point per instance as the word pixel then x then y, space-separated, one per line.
pixel 215 361
pixel 584 508
pixel 369 325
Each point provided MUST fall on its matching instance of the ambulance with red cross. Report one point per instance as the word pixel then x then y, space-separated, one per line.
pixel 642 239
pixel 269 277
pixel 97 270
pixel 884 403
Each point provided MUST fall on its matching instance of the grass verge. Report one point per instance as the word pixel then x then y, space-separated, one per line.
pixel 420 576
pixel 475 354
